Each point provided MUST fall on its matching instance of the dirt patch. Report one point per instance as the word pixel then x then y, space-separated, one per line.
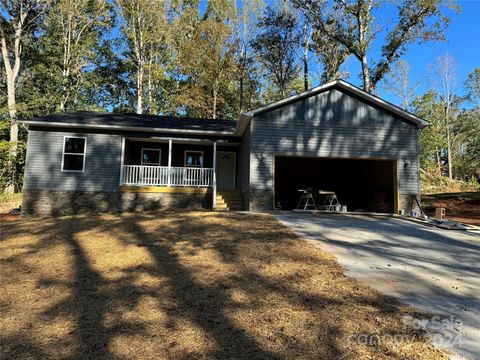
pixel 196 285
pixel 462 207
pixel 9 218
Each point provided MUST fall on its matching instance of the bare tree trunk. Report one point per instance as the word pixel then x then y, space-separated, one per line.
pixel 140 88
pixel 149 85
pixel 11 75
pixel 438 170
pixel 242 74
pixel 241 93
pixel 305 74
pixel 12 110
pixel 365 74
pixel 306 46
pixel 215 93
pixel 449 145
pixel 362 55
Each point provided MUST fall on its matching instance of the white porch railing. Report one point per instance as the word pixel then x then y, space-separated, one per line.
pixel 165 176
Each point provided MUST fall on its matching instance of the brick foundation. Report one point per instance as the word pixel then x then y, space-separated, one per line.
pixel 261 199
pixel 57 203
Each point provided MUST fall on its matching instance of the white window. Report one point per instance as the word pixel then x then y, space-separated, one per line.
pixel 193 158
pixel 151 157
pixel 74 150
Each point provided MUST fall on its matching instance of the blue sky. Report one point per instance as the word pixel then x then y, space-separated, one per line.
pixel 462 42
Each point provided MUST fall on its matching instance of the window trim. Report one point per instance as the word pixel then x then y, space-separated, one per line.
pixel 159 156
pixel 84 154
pixel 185 159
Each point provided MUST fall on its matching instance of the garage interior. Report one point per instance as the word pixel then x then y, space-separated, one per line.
pixel 360 184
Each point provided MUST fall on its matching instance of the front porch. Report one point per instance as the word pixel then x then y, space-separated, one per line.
pixel 169 166
pixel 141 175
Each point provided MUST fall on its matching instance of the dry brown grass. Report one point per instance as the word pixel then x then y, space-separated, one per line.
pixel 9 202
pixel 192 285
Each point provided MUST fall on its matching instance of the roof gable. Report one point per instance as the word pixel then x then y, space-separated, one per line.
pixel 349 89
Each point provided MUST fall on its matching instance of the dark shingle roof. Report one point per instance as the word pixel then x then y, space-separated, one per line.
pixel 129 121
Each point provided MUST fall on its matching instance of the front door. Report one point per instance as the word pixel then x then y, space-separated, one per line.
pixel 226 170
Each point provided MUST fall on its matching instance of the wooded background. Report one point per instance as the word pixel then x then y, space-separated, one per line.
pixel 218 58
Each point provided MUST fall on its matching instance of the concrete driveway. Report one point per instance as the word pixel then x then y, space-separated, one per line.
pixel 433 269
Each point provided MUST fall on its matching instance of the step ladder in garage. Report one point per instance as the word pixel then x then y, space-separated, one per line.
pixel 306 201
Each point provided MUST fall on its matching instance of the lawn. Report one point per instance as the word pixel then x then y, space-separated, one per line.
pixel 191 285
pixel 9 202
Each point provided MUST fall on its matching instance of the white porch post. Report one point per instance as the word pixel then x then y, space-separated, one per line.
pixel 169 161
pixel 214 190
pixel 122 160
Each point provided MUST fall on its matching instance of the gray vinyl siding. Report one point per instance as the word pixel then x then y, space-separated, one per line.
pixel 333 124
pixel 244 161
pixel 44 162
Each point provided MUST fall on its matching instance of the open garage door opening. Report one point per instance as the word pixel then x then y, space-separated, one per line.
pixel 361 185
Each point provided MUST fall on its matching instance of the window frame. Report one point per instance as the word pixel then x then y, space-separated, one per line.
pixel 192 166
pixel 84 154
pixel 159 156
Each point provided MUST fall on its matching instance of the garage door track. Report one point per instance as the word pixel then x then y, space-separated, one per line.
pixel 433 269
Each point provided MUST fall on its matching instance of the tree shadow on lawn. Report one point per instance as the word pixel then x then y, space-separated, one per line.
pixel 229 286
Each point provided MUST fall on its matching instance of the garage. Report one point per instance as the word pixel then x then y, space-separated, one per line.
pixel 360 184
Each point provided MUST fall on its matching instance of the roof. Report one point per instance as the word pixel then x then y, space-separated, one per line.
pixel 172 124
pixel 135 122
pixel 349 88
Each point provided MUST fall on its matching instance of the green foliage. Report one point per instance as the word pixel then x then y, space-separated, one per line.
pixel 10 164
pixel 353 25
pixel 432 139
pixel 472 85
pixel 466 130
pixel 275 47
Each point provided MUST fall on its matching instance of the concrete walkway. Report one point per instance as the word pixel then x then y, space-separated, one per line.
pixel 435 270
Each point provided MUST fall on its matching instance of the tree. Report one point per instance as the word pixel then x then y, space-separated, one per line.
pixel 306 46
pixel 18 19
pixel 472 85
pixel 352 24
pixel 144 29
pixel 206 62
pixel 432 138
pixel 275 47
pixel 444 72
pixel 466 161
pixel 245 30
pixel 331 56
pixel 398 83
pixel 70 44
pixel 211 61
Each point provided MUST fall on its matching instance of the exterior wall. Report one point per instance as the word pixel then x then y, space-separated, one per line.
pixel 43 167
pixel 48 191
pixel 59 203
pixel 244 167
pixel 330 124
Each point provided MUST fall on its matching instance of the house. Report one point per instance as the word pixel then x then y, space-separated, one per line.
pixel 334 137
